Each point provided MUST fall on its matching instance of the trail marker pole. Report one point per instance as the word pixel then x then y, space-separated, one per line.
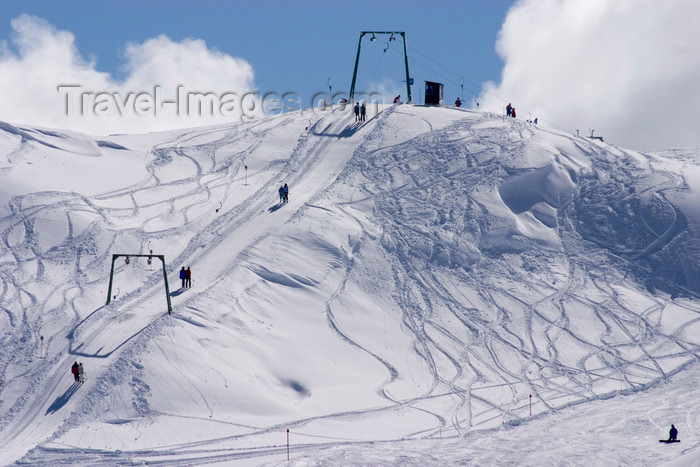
pixel 531 405
pixel 246 175
pixel 287 443
pixel 330 92
pixel 41 346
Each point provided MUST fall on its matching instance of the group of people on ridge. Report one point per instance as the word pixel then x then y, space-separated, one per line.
pixel 360 112
pixel 284 192
pixel 186 277
pixel 510 110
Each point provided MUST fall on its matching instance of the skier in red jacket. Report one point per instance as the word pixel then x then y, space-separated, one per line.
pixel 75 369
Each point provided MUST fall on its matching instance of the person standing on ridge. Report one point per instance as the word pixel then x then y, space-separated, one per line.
pixel 75 369
pixel 183 276
pixel 458 102
pixel 363 112
pixel 188 278
pixel 673 433
pixel 509 109
pixel 286 193
pixel 81 373
pixel 281 193
pixel 357 111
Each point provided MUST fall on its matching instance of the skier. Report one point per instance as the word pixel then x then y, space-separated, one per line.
pixel 458 102
pixel 281 192
pixel 75 369
pixel 673 434
pixel 363 112
pixel 81 373
pixel 286 193
pixel 188 278
pixel 509 109
pixel 357 111
pixel 397 99
pixel 512 112
pixel 183 276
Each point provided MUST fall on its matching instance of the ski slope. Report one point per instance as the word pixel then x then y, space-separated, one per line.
pixel 444 287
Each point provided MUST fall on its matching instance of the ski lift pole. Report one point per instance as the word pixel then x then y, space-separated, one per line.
pixel 111 279
pixel 151 255
pixel 354 73
pixel 167 289
pixel 373 38
pixel 405 57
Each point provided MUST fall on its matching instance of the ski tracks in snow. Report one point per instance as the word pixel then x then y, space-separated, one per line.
pixel 489 316
pixel 503 341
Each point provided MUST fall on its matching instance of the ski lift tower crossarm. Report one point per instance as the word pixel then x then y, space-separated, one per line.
pixel 373 38
pixel 165 275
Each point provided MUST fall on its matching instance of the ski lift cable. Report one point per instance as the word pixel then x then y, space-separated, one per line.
pixel 480 92
pixel 475 92
pixel 417 62
pixel 376 69
pixel 475 85
pixel 480 89
pixel 379 64
pixel 477 89
pixel 443 66
pixel 446 78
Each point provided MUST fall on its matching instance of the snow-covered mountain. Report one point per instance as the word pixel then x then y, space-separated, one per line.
pixel 443 287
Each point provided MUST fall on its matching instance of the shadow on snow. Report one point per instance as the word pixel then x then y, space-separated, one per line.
pixel 63 399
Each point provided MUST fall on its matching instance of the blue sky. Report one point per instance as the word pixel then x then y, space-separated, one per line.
pixel 626 69
pixel 297 46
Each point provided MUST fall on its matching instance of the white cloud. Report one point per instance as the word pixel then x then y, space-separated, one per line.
pixel 626 68
pixel 39 58
pixel 387 89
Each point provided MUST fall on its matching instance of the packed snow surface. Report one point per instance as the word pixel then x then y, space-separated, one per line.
pixel 444 287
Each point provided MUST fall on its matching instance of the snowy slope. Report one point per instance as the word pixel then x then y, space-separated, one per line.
pixel 443 287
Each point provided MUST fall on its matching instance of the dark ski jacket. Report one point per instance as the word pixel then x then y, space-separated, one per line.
pixel 183 274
